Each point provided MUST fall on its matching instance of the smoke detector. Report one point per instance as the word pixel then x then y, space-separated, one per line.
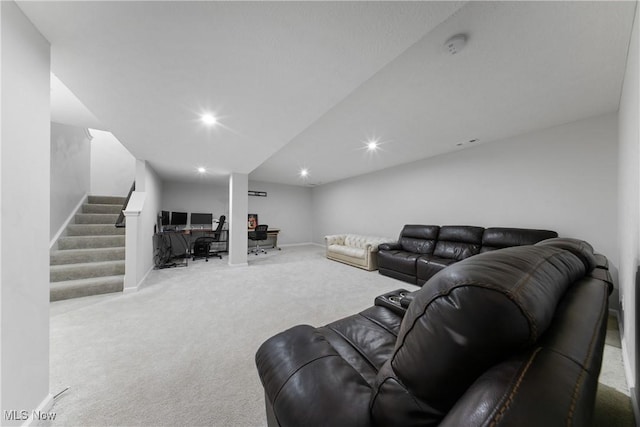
pixel 456 43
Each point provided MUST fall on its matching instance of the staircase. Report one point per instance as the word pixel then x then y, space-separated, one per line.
pixel 89 259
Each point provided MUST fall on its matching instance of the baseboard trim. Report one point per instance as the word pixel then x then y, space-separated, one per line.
pixel 288 245
pixel 634 403
pixel 627 368
pixel 241 264
pixel 55 238
pixel 44 409
pixel 137 287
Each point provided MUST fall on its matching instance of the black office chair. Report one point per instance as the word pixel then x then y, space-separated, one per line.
pixel 202 245
pixel 259 234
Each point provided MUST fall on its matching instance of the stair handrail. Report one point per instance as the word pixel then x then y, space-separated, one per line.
pixel 120 222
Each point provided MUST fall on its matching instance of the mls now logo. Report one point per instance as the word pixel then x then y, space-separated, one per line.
pixel 16 415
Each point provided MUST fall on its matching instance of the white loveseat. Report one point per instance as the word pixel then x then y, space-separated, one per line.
pixel 353 249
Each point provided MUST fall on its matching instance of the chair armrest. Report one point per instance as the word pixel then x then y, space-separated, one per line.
pixel 298 367
pixel 389 246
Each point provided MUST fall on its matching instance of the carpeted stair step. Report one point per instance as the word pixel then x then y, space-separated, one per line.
pixel 60 273
pixel 86 242
pixel 94 230
pixel 107 200
pixel 85 287
pixel 101 208
pixel 92 218
pixel 79 256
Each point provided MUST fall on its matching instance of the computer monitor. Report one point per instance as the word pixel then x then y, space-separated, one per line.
pixel 201 219
pixel 178 218
pixel 165 217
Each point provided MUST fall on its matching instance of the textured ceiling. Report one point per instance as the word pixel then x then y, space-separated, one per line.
pixel 304 84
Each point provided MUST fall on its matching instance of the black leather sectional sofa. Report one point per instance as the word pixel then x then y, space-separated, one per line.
pixel 423 250
pixel 506 338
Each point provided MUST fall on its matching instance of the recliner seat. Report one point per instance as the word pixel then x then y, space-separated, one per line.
pixel 507 337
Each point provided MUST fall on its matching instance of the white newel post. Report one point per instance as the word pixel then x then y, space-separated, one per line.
pixel 132 241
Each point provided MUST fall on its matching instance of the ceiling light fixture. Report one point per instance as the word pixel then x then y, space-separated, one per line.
pixel 201 170
pixel 456 43
pixel 471 141
pixel 372 145
pixel 304 172
pixel 209 119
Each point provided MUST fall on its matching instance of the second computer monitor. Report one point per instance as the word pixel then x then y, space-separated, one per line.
pixel 178 218
pixel 201 219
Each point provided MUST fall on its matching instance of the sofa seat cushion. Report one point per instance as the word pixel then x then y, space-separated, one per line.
pixel 365 340
pixel 428 265
pixel 350 251
pixel 400 261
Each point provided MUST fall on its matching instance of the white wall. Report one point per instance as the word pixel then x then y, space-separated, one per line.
pixel 562 179
pixel 113 168
pixel 70 160
pixel 287 207
pixel 24 198
pixel 629 206
pixel 196 197
pixel 147 180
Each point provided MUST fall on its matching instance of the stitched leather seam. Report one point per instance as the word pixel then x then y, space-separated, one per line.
pixel 379 324
pixel 514 390
pixel 355 347
pixel 574 397
pixel 295 372
pixel 397 380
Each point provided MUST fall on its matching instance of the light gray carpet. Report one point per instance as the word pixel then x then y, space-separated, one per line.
pixel 181 350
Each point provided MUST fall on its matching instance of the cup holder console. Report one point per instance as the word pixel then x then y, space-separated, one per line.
pixel 395 301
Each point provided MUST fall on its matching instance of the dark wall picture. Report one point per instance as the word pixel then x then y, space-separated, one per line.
pixel 253 221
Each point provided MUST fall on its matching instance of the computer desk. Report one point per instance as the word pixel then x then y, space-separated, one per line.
pixel 189 234
pixel 272 239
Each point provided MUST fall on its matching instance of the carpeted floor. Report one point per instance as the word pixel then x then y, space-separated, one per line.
pixel 181 350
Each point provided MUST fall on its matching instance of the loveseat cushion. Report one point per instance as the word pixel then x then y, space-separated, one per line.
pixel 351 251
pixel 502 237
pixel 458 241
pixel 420 239
pixel 400 261
pixel 467 318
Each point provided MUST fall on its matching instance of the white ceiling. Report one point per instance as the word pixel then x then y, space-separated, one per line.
pixel 304 84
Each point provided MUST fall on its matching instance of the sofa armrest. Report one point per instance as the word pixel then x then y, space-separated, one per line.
pixel 334 239
pixel 375 244
pixel 389 246
pixel 298 367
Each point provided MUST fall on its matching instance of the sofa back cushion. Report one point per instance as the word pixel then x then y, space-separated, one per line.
pixel 458 241
pixel 466 319
pixel 420 239
pixel 501 237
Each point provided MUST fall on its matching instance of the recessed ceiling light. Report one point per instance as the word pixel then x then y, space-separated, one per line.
pixel 471 141
pixel 372 145
pixel 201 170
pixel 304 172
pixel 209 119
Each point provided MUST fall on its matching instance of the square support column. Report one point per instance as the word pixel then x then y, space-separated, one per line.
pixel 238 211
